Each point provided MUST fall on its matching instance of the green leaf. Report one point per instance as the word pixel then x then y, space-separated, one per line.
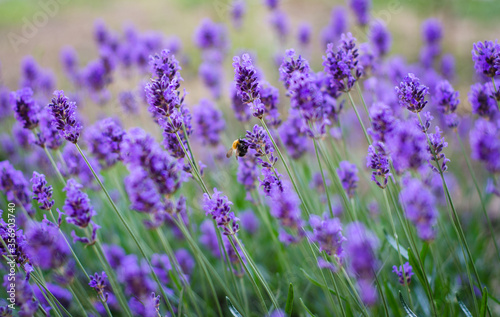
pixel 463 307
pixel 394 244
pixel 233 310
pixel 494 299
pixel 393 303
pixel 424 251
pixel 312 280
pixel 407 309
pixel 289 301
pixel 484 303
pixel 307 309
pixel 416 267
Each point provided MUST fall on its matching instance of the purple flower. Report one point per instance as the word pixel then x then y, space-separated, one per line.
pixel 30 73
pixel 64 117
pixel 162 96
pixel 219 207
pixel 361 9
pixel 241 110
pixel 247 84
pixel 238 9
pixel 485 144
pixel 290 65
pixel 446 97
pixel 73 165
pixel 249 221
pixel 304 34
pixel 248 172
pixel 337 25
pixel 269 96
pixel 279 21
pixel 294 139
pixel 360 248
pixel 23 137
pixel 164 64
pixel 212 74
pixel 210 35
pixel 485 55
pixel 437 144
pixel 285 207
pixel 407 146
pixel 15 186
pixel 432 31
pixel 69 61
pixel 404 278
pixel 383 121
pixel 448 66
pixel 209 122
pixel 161 266
pixel 143 193
pixel 77 206
pixel 18 248
pixel 5 106
pixel 482 101
pixel 271 4
pixel 41 192
pixel 49 135
pixel 99 283
pixel 208 237
pixel 115 255
pixel 128 102
pixel 348 174
pixel 411 93
pixel 95 77
pixel 25 108
pixel 26 304
pixel 378 161
pixel 380 38
pixel 136 278
pixel 328 233
pixel 186 262
pixel 420 207
pixel 45 245
pixel 339 64
pixel 104 139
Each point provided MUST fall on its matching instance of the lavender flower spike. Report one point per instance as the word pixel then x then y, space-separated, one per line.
pixel 247 84
pixel 348 174
pixel 328 233
pixel 77 205
pixel 361 9
pixel 408 273
pixel 64 117
pixel 25 108
pixel 485 55
pixel 41 192
pixel 411 93
pixel 219 207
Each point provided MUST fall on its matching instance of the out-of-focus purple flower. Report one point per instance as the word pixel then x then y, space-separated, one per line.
pixel 115 255
pixel 280 23
pixel 49 135
pixel 210 35
pixel 337 25
pixel 407 146
pixel 136 278
pixel 219 207
pixel 432 31
pixel 269 97
pixel 361 9
pixel 446 97
pixel 30 73
pixel 161 266
pixel 186 262
pixel 69 61
pixel 271 4
pixel 360 248
pixel 304 34
pixel 25 108
pixel 290 65
pixel 5 107
pixel 248 172
pixel 241 110
pixel 247 84
pixel 404 277
pixel 411 93
pixel 212 74
pixel 26 304
pixel 485 144
pixel 208 237
pixel 292 136
pixel 238 9
pixel 128 102
pixel 208 122
pixel 383 121
pixel 339 64
pixel 328 233
pixel 420 207
pixel 15 186
pixel 64 117
pixel 485 55
pixel 142 192
pixel 45 245
pixel 42 192
pixel 171 142
pixel 73 165
pixel 380 38
pixel 23 137
pixel 95 77
pixel 285 207
pixel 348 174
pixel 482 101
pixel 104 139
pixel 249 221
pixel 77 206
pixel 18 250
pixel 378 161
pixel 448 66
pixel 99 283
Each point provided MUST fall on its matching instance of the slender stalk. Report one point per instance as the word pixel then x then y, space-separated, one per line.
pixel 359 118
pixel 323 178
pixel 129 230
pixel 360 93
pixel 483 205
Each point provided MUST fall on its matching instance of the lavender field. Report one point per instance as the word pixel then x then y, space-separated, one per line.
pixel 249 158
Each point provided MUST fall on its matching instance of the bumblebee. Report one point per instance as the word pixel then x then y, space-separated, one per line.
pixel 239 148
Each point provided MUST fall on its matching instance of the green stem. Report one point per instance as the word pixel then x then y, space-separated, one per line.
pixel 358 88
pixel 323 178
pixel 359 119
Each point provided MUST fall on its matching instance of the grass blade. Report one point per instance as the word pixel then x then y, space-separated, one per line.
pixel 289 301
pixel 232 309
pixel 463 307
pixel 407 309
pixel 484 303
pixel 307 309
